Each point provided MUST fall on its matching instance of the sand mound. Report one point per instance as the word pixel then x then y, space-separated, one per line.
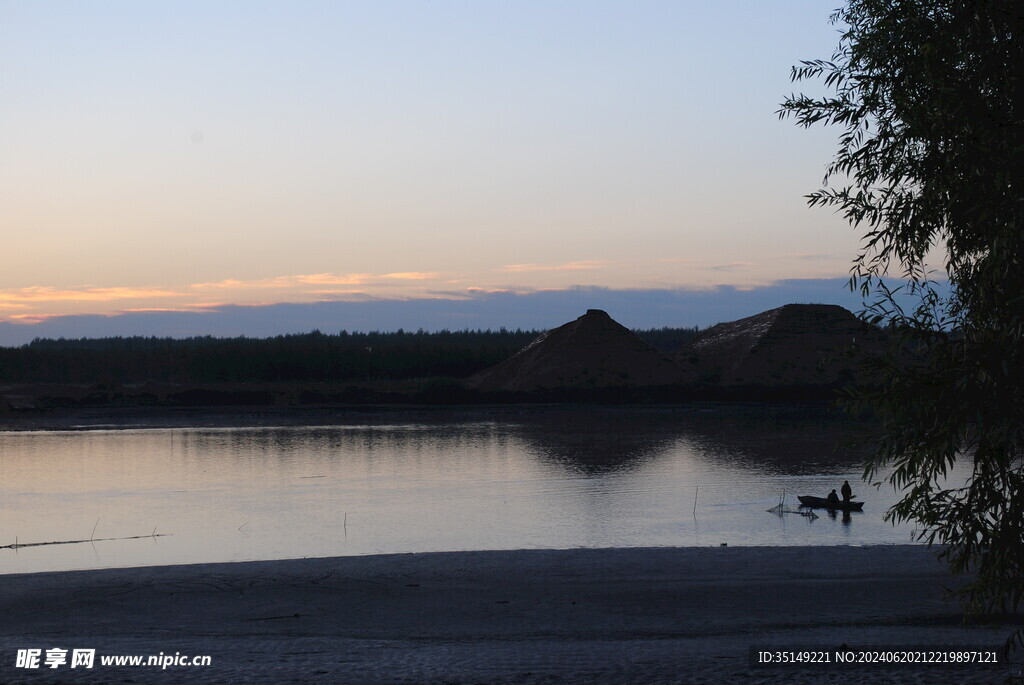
pixel 594 351
pixel 793 345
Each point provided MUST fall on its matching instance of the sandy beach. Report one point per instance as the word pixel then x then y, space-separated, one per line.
pixel 661 615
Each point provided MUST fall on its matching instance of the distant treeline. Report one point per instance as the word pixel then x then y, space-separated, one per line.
pixel 310 357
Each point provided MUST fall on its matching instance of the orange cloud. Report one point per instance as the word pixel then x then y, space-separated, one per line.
pixel 201 306
pixel 46 294
pixel 232 283
pixel 330 279
pixel 581 265
pixel 412 275
pixel 40 317
pixel 38 303
pixel 361 293
pixel 137 310
pixel 731 265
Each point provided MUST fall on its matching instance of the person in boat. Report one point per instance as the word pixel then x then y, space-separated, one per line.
pixel 832 498
pixel 847 491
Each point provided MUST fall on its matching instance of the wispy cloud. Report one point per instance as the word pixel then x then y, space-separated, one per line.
pixel 321 279
pixel 233 283
pixel 473 292
pixel 476 307
pixel 338 293
pixel 37 303
pixel 412 276
pixel 582 265
pixel 808 255
pixel 143 310
pixel 32 318
pixel 327 279
pixel 731 266
pixel 35 294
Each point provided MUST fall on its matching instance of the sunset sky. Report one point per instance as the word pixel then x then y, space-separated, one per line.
pixel 190 156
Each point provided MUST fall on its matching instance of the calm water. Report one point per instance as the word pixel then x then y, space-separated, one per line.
pixel 538 478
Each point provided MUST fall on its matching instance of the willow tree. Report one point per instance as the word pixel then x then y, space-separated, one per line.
pixel 929 101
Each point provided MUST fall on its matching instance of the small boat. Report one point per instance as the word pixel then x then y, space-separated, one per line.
pixel 822 503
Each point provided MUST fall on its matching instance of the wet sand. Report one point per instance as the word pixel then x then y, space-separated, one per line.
pixel 664 615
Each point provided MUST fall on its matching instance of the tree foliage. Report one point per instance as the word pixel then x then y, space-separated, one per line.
pixel 929 99
pixel 298 358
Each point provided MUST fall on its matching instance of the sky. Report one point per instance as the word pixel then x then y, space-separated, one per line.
pixel 217 167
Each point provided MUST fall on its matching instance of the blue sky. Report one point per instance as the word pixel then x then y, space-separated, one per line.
pixel 173 162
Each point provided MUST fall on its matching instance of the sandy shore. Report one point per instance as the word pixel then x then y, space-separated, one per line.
pixel 539 616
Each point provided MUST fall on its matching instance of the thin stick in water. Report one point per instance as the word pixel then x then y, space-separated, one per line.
pixel 695 491
pixel 17 544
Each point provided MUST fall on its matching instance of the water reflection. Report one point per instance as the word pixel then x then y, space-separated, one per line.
pixel 534 478
pixel 599 441
pixel 789 439
pixel 793 440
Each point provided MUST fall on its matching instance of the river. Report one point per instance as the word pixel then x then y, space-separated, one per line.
pixel 530 477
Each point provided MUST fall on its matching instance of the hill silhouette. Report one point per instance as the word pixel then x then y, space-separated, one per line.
pixel 791 346
pixel 592 352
